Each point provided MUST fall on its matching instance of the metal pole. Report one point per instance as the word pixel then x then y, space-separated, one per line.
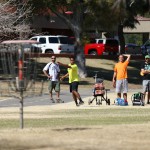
pixel 21 83
pixel 21 110
pixel 96 72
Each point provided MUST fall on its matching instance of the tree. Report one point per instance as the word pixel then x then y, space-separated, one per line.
pixel 126 11
pixel 13 19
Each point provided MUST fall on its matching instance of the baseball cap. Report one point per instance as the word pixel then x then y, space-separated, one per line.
pixel 147 56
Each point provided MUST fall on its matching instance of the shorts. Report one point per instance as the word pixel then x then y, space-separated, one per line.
pixel 74 86
pixel 146 86
pixel 54 85
pixel 122 86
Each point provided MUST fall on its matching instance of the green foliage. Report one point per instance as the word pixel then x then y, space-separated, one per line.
pixel 134 38
pixel 100 15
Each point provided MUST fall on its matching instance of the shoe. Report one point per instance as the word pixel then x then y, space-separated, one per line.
pixel 77 105
pixel 52 100
pixel 81 102
pixel 148 102
pixel 59 101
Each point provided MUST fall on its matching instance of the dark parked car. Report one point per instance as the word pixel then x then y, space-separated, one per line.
pixel 130 46
pixel 145 48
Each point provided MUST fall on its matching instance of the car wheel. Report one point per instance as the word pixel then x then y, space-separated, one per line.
pixel 93 53
pixel 49 51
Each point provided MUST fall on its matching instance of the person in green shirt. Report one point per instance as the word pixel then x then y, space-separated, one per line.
pixel 73 80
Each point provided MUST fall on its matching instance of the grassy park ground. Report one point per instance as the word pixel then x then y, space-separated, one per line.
pixel 88 127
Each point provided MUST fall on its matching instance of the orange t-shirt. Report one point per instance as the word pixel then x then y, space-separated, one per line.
pixel 121 70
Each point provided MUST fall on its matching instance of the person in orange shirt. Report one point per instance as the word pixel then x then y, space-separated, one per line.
pixel 120 81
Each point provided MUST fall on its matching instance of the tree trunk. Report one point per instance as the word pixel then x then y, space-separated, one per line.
pixel 121 39
pixel 79 56
pixel 75 25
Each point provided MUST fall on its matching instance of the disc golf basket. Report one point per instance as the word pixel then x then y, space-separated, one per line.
pixel 19 71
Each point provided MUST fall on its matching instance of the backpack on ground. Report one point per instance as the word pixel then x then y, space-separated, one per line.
pixel 121 102
pixel 137 99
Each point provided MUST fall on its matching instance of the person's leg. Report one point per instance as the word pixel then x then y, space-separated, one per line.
pixel 118 95
pixel 148 98
pixel 125 96
pixel 118 88
pixel 148 92
pixel 57 89
pixel 144 83
pixel 125 88
pixel 76 93
pixel 73 95
pixel 50 87
pixel 75 98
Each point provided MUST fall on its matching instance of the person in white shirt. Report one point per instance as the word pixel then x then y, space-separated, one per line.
pixel 52 71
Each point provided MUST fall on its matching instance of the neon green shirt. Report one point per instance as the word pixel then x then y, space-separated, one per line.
pixel 73 73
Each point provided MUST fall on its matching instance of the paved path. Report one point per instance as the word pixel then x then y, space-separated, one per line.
pixel 65 96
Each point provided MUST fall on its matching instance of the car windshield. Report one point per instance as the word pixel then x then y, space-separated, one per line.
pixel 100 41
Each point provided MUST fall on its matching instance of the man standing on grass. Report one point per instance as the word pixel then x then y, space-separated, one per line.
pixel 52 71
pixel 145 73
pixel 73 80
pixel 120 81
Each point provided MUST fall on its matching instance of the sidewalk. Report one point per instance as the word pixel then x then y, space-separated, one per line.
pixel 111 95
pixel 70 104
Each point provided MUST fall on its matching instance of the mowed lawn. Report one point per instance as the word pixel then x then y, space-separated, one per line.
pixel 79 128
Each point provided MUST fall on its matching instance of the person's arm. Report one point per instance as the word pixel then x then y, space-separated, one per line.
pixel 114 79
pixel 46 74
pixel 65 65
pixel 144 72
pixel 66 75
pixel 46 70
pixel 128 57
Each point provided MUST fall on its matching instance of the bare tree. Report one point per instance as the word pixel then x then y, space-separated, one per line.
pixel 13 19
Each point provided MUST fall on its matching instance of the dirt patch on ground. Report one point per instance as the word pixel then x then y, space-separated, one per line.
pixel 83 138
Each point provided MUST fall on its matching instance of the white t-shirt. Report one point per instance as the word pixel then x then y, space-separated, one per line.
pixel 53 70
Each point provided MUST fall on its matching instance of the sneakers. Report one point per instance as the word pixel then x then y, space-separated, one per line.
pixel 52 100
pixel 81 102
pixel 77 105
pixel 59 100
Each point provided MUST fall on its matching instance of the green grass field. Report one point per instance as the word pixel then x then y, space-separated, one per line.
pixel 79 117
pixel 76 129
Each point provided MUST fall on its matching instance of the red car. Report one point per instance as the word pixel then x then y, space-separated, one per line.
pixel 101 46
